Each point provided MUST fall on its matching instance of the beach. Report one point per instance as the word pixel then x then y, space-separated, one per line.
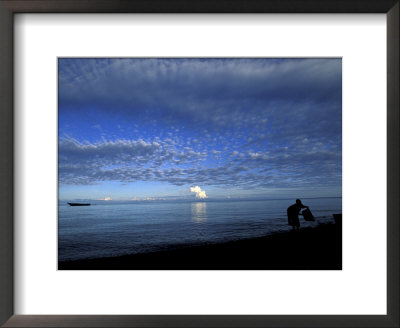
pixel 317 248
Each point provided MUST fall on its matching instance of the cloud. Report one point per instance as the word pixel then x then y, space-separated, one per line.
pixel 200 92
pixel 315 164
pixel 107 153
pixel 246 123
pixel 201 194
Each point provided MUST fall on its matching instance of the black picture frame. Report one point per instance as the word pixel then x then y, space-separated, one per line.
pixel 10 7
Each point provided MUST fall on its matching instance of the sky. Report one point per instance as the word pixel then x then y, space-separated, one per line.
pixel 199 128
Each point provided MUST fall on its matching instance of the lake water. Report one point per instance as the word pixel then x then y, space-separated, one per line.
pixel 113 229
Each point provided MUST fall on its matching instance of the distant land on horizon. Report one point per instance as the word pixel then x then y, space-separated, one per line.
pixel 189 200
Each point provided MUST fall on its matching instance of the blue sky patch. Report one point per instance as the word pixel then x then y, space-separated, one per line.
pixel 134 129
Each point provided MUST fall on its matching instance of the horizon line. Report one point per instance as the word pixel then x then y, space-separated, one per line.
pixel 173 198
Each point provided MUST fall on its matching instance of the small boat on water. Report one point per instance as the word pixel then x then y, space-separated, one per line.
pixel 79 204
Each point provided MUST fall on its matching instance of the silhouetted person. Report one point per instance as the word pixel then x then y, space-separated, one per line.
pixel 293 214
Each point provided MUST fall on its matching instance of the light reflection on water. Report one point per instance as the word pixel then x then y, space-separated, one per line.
pixel 199 212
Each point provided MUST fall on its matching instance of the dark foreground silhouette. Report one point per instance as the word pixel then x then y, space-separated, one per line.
pixel 293 212
pixel 317 248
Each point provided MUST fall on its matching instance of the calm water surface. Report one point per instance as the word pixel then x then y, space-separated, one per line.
pixel 112 229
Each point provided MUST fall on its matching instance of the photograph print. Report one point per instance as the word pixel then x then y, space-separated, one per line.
pixel 199 164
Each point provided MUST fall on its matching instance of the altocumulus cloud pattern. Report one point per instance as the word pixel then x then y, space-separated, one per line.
pixel 243 124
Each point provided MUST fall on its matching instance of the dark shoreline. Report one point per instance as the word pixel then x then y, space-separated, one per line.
pixel 318 248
